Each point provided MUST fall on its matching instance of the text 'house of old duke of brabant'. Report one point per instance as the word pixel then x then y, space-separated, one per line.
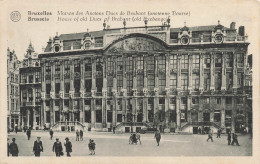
pixel 128 78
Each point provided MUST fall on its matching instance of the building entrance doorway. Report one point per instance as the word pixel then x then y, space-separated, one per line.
pixel 195 130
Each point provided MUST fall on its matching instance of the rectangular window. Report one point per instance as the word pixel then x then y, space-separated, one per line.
pixel 173 101
pixel 37 95
pixel 218 60
pixel 150 100
pixel 37 77
pixel 173 81
pixel 206 81
pixel 195 82
pixel 99 64
pixel 184 61
pixel 57 88
pixel 239 80
pixel 140 82
pixel 129 70
pixel 218 80
pixel 48 88
pixel 30 78
pixel 173 61
pixel 57 103
pixel 99 84
pixel 229 78
pixel 87 102
pixel 150 72
pixel 119 82
pixel 229 60
pixel 119 118
pixel 24 96
pixel 77 85
pixel 207 61
pixel 76 65
pixel 183 100
pixel 196 61
pixel 67 87
pixel 16 78
pixel 88 116
pixel 161 76
pixel 67 67
pixel 88 66
pixel 195 100
pixel 48 117
pixel 217 117
pixel 119 64
pixel 57 67
pixel 98 116
pixel 240 60
pixel 23 77
pixel 48 68
pixel 218 100
pixel 88 85
pixel 184 81
pixel 140 62
pixel 47 103
pixel 229 100
pixel 66 103
pixel 109 116
pixel 161 101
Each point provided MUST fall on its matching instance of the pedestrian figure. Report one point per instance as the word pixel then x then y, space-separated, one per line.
pixel 210 136
pixel 8 147
pixel 234 139
pixel 16 128
pixel 77 135
pixel 199 130
pixel 57 148
pixel 51 133
pixel 92 146
pixel 14 148
pixel 157 135
pixel 218 133
pixel 68 146
pixel 114 128
pixel 28 133
pixel 229 138
pixel 81 135
pixel 37 147
pixel 44 127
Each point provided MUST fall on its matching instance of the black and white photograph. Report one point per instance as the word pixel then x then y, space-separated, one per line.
pixel 129 81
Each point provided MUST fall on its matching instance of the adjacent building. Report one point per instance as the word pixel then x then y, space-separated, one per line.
pixel 30 89
pixel 13 96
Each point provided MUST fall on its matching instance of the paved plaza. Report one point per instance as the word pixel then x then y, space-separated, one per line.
pixel 108 144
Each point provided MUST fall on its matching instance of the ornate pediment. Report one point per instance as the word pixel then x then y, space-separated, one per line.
pixel 136 44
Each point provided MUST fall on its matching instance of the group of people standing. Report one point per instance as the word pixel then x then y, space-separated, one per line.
pixel 57 146
pixel 234 137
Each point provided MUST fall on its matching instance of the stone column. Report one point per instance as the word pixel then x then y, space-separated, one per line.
pixel 134 99
pixel 104 97
pixel 234 112
pixel 52 94
pixel 28 116
pixel 223 111
pixel 167 89
pixel 61 105
pixel 124 100
pixel 93 114
pixel 145 90
pixel 156 85
pixel 178 72
pixel 188 109
pixel 93 88
pixel 178 113
pixel 224 65
pixel 114 90
pixel 190 73
pixel 34 119
pixel 212 71
pixel 234 72
pixel 201 87
pixel 82 91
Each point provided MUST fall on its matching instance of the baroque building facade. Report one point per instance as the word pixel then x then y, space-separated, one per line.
pixel 177 79
pixel 13 96
pixel 30 90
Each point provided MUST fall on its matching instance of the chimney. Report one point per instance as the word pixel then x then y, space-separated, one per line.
pixel 233 25
pixel 241 31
